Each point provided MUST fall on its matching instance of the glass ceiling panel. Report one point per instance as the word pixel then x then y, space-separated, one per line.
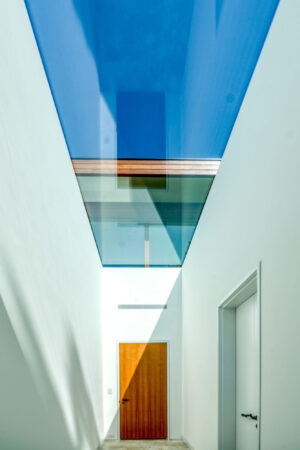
pixel 143 220
pixel 147 93
pixel 112 64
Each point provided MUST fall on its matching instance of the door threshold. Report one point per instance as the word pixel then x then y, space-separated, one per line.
pixel 125 444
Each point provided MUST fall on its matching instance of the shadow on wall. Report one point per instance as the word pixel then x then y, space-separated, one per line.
pixel 31 411
pixel 82 407
pixel 174 358
pixel 27 421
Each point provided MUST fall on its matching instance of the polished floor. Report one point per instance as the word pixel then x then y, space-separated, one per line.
pixel 141 445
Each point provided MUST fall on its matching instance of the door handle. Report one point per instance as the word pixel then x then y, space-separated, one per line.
pixel 125 400
pixel 251 416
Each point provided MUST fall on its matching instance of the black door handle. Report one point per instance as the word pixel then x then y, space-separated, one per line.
pixel 125 399
pixel 250 416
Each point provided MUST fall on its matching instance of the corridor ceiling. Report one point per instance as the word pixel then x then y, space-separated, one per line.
pixel 148 80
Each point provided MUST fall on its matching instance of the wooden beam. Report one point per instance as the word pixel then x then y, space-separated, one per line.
pixel 144 167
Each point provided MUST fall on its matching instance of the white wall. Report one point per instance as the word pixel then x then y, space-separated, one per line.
pixel 252 214
pixel 27 419
pixel 50 374
pixel 135 286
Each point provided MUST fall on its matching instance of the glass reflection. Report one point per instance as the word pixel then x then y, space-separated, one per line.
pixel 143 220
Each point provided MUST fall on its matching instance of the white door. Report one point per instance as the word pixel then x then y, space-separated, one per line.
pixel 247 375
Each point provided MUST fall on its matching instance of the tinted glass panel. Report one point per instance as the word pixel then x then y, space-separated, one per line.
pixel 143 220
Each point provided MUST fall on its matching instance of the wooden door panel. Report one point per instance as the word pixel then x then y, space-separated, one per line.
pixel 143 391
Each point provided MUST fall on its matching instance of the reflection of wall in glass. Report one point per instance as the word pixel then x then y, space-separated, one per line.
pixel 124 218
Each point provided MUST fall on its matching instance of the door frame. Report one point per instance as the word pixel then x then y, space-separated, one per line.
pixel 156 341
pixel 249 286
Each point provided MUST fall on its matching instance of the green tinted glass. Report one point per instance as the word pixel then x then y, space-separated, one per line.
pixel 143 220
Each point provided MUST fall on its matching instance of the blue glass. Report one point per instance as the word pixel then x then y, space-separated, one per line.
pixel 200 54
pixel 141 127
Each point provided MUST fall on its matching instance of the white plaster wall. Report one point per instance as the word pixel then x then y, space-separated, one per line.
pixel 141 286
pixel 49 265
pixel 28 420
pixel 252 214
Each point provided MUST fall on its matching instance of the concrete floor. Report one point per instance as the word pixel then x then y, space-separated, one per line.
pixel 141 445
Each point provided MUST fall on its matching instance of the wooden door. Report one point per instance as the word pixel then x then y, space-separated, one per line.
pixel 143 391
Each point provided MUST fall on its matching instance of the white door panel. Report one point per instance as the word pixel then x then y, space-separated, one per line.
pixel 247 375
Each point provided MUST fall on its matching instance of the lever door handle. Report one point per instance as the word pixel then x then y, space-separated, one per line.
pixel 125 399
pixel 251 416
